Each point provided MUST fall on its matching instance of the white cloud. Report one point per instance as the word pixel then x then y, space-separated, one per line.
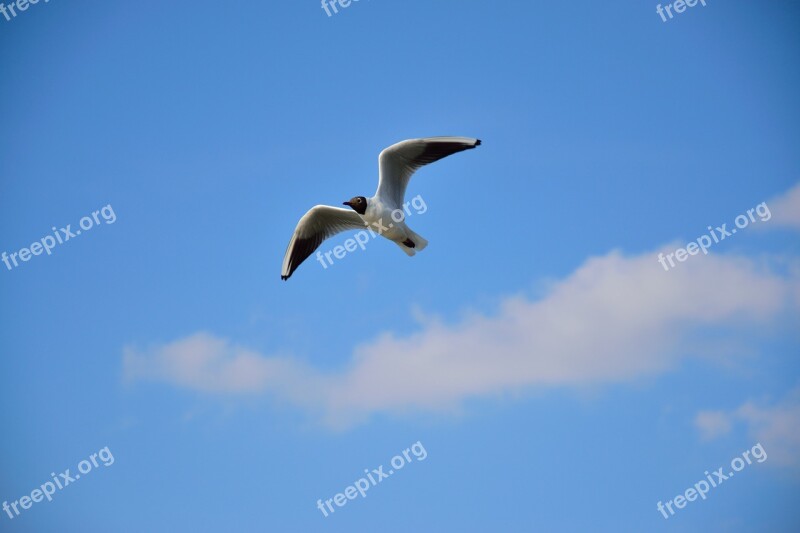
pixel 785 209
pixel 713 424
pixel 776 427
pixel 616 319
pixel 209 364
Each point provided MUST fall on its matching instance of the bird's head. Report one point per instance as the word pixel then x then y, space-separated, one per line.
pixel 357 204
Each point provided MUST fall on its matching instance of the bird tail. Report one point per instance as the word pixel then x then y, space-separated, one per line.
pixel 420 242
pixel 409 251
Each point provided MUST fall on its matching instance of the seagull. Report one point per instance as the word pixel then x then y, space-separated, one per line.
pixel 396 165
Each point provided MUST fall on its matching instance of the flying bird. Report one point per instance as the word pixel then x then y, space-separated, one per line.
pixel 396 165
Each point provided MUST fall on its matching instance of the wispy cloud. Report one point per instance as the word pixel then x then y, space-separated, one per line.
pixel 205 363
pixel 713 424
pixel 615 319
pixel 776 426
pixel 786 209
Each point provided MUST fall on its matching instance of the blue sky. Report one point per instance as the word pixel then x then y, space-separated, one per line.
pixel 557 377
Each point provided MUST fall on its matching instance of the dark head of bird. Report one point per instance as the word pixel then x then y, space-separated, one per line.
pixel 357 204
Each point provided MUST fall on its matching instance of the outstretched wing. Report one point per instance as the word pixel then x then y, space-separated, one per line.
pixel 319 223
pixel 399 162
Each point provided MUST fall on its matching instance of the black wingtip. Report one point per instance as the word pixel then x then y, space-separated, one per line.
pixel 284 278
pixel 478 142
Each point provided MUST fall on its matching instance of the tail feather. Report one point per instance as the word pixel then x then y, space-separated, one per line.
pixel 419 244
pixel 409 251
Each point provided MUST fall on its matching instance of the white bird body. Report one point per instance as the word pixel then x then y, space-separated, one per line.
pixel 384 212
pixel 389 222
